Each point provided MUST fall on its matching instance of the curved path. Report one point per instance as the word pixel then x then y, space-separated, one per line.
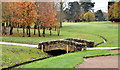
pixel 100 62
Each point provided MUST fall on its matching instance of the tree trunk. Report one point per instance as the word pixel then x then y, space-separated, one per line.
pixel 29 31
pixel 18 25
pixel 8 26
pixel 59 32
pixel 43 31
pixel 61 11
pixel 6 23
pixel 60 23
pixel 34 29
pixel 11 29
pixel 38 31
pixel 3 29
pixel 55 28
pixel 23 30
pixel 41 27
pixel 21 26
pixel 50 31
pixel 18 28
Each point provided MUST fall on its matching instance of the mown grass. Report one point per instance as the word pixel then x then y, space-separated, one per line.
pixel 67 60
pixel 96 22
pixel 82 30
pixel 12 55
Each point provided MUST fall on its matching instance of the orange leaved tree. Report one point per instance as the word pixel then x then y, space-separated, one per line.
pixel 47 16
pixel 13 16
pixel 27 15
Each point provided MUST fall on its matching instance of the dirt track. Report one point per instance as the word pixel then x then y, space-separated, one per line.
pixel 100 62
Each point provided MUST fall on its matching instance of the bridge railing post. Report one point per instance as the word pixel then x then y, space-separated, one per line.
pixel 42 48
pixel 67 48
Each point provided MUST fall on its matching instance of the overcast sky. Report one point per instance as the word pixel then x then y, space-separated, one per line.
pixel 99 4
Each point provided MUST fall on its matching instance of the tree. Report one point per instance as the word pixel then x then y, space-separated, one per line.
pixel 73 10
pixel 113 13
pixel 62 7
pixel 3 27
pixel 48 16
pixel 5 16
pixel 99 15
pixel 87 6
pixel 59 7
pixel 61 11
pixel 89 16
pixel 13 17
pixel 40 10
pixel 110 13
pixel 5 12
pixel 82 15
pixel 27 15
pixel 119 11
pixel 30 14
pixel 105 15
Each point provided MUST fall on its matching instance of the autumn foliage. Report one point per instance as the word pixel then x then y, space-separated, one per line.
pixel 114 12
pixel 49 15
pixel 89 16
pixel 27 14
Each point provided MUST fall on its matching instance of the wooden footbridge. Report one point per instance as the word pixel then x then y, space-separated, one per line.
pixel 71 44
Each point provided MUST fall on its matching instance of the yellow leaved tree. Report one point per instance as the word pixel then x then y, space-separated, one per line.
pixel 89 16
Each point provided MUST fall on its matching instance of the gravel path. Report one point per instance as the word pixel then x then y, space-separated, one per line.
pixel 100 62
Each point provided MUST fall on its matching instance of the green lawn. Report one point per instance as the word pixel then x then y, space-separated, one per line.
pixel 82 30
pixel 69 60
pixel 12 55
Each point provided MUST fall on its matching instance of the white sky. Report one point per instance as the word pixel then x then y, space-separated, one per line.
pixel 99 4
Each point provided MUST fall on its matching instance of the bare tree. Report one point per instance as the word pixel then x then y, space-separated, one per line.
pixel 62 7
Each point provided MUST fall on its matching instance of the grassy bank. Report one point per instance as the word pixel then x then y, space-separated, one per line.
pixel 12 55
pixel 67 60
pixel 82 30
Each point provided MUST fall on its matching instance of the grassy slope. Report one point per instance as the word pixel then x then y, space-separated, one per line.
pixel 12 55
pixel 67 60
pixel 83 30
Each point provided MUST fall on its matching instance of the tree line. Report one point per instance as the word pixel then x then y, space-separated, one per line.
pixel 76 11
pixel 83 11
pixel 26 14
